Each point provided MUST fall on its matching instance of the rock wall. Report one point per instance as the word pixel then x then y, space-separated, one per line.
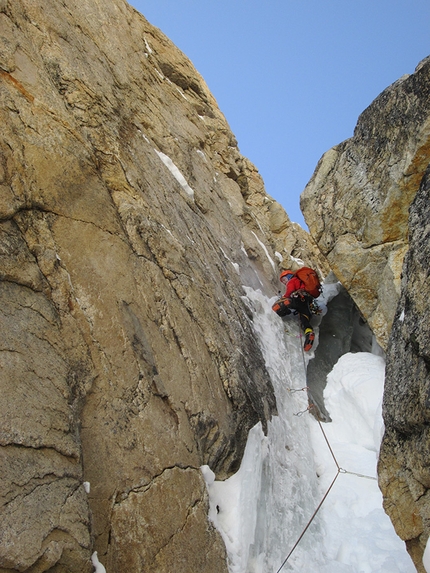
pixel 129 222
pixel 340 330
pixel 404 468
pixel 356 204
pixel 366 210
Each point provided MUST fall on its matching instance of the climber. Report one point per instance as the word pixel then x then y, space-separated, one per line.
pixel 302 287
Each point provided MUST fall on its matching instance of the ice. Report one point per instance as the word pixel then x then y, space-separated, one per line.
pixel 98 567
pixel 147 46
pixel 266 252
pixel 175 172
pixel 426 557
pixel 263 509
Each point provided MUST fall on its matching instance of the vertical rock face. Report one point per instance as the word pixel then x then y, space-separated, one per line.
pixel 341 330
pixel 129 222
pixel 356 204
pixel 404 470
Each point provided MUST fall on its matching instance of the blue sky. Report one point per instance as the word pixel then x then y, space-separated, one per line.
pixel 292 76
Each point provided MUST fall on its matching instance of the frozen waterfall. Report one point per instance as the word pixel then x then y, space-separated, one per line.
pixel 262 510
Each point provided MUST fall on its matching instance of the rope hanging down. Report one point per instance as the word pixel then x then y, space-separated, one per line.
pixel 309 522
pixel 339 469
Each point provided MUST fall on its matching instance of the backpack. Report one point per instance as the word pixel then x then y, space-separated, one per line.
pixel 311 281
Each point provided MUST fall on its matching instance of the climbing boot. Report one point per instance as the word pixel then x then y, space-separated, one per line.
pixel 309 339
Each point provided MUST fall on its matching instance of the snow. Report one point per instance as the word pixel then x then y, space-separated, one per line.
pixel 297 261
pixel 182 93
pixel 359 534
pixel 426 557
pixel 262 510
pixel 143 135
pixel 235 265
pixel 175 172
pixel 87 486
pixel 242 491
pixel 263 246
pixel 98 567
pixel 147 46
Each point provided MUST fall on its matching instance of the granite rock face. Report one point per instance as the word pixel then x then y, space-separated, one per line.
pixel 404 469
pixel 129 223
pixel 367 207
pixel 356 204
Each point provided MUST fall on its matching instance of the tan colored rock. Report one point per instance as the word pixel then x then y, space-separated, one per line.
pixel 129 223
pixel 356 204
pixel 44 509
pixel 160 532
pixel 404 474
pixel 290 243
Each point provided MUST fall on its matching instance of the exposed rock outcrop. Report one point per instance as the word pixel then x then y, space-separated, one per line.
pixel 404 469
pixel 341 330
pixel 129 222
pixel 356 204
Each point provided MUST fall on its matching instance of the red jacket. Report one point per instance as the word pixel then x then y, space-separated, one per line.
pixel 293 285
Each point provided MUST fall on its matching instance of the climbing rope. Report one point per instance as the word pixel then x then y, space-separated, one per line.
pixel 308 523
pixel 339 469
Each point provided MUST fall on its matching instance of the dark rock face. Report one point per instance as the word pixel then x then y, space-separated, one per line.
pixel 341 330
pixel 404 469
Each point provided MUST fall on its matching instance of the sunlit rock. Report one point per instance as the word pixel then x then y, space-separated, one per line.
pixel 129 224
pixel 356 204
pixel 404 473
